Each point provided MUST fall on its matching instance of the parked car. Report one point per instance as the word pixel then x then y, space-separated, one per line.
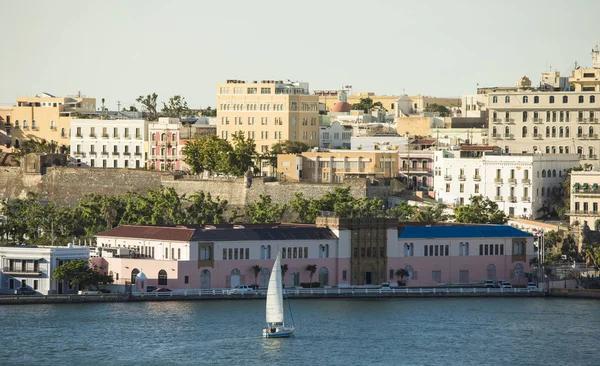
pixel 385 286
pixel 89 292
pixel 240 289
pixel 25 291
pixel 489 284
pixel 105 291
pixel 254 287
pixel 531 286
pixel 162 289
pixel 505 284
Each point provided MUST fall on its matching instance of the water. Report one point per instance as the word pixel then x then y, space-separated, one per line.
pixel 486 331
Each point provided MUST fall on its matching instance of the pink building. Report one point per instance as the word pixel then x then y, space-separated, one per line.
pixel 416 169
pixel 345 253
pixel 164 150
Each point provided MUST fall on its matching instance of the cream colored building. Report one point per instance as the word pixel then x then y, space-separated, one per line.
pixel 335 166
pixel 268 111
pixel 586 79
pixel 46 117
pixel 585 197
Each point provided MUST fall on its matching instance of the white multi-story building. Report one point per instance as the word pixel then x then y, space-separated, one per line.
pixel 521 184
pixel 335 136
pixel 108 143
pixel 32 267
pixel 379 142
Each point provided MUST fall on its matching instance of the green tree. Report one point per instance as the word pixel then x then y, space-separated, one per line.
pixel 209 153
pixel 366 105
pixel 242 157
pixel 149 105
pixel 311 268
pixel 256 269
pixel 401 273
pixel 440 109
pixel 204 210
pixel 592 253
pixel 208 112
pixel 81 273
pixel 264 211
pixel 176 108
pixel 403 211
pixel 431 214
pixel 480 211
pixel 562 196
pixel 284 270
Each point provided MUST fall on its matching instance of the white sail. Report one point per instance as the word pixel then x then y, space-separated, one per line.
pixel 275 294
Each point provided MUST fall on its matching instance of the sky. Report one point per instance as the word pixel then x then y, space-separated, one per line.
pixel 118 50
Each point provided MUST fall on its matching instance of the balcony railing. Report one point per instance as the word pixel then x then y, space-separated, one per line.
pixel 512 180
pixel 526 181
pixel 538 136
pixel 581 120
pixel 115 153
pixel 447 177
pixel 538 120
pixel 497 180
pixel 78 135
pixel 93 135
pixel 419 169
pixel 105 136
pixel 512 198
pixel 127 153
pixel 462 177
pixel 21 271
pixel 524 199
pixel 509 120
pixel 105 153
pixel 476 178
pixel 127 136
pixel 138 154
pixel 498 198
pixel 116 136
pixel 92 153
pixel 138 137
pixel 589 190
pixel 593 120
pixel 594 136
pixel 496 120
pixel 509 136
pixel 497 136
pixel 583 213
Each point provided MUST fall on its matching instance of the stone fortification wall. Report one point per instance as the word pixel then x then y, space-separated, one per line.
pixel 66 185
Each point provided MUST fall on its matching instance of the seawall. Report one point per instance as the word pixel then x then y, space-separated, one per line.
pixel 580 293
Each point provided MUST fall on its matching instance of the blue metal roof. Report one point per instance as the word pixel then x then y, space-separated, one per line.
pixel 474 231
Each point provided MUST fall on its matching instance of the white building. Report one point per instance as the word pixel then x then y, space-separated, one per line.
pixel 108 143
pixel 521 184
pixel 381 142
pixel 32 267
pixel 472 105
pixel 335 136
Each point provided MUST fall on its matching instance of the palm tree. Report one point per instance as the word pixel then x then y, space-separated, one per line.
pixel 311 268
pixel 256 268
pixel 401 273
pixel 284 269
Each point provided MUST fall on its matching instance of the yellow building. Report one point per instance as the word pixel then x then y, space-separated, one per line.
pixel 335 166
pixel 268 111
pixel 389 102
pixel 585 198
pixel 46 117
pixel 586 79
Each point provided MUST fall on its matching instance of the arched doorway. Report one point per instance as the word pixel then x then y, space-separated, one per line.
pixel 293 277
pixel 205 279
pixel 264 277
pixel 491 272
pixel 235 278
pixel 162 277
pixel 518 271
pixel 410 271
pixel 323 277
pixel 134 274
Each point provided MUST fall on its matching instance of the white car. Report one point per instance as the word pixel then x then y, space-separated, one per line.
pixel 89 292
pixel 240 289
pixel 504 284
pixel 531 286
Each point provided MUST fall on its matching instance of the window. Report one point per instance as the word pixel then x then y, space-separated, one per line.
pixel 162 277
pixel 494 99
pixel 186 279
pixel 436 276
pixel 536 100
pixel 491 272
pixel 447 187
pixel 525 99
pixel 580 99
pixel 507 99
pixel 565 99
pixel 592 99
pixel 476 188
pixel 551 100
pixel 251 90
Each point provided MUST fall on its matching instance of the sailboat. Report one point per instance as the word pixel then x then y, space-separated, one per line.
pixel 275 327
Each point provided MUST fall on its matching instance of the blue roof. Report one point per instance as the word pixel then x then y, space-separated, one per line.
pixel 474 231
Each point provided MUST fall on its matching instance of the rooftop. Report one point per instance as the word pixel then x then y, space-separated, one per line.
pixel 473 231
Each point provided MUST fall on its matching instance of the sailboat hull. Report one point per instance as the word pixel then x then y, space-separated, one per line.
pixel 280 333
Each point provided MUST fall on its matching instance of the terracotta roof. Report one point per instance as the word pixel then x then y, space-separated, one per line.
pixel 477 148
pixel 150 232
pixel 215 233
pixel 341 107
pixel 424 142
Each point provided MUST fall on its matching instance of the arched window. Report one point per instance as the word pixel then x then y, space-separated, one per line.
pixel 543 173
pixel 235 272
pixel 566 149
pixel 507 99
pixel 461 248
pixel 561 150
pixel 518 270
pixel 25 123
pixel 535 148
pixel 494 99
pixel 525 99
pixel 554 173
pixel 62 132
pixel 524 116
pixel 506 149
pixel 16 123
pixel 491 272
pixel 321 250
pixel 554 149
pixel 326 248
pixel 268 252
pixel 424 181
pixel 592 99
pixel 579 131
pixel 579 150
pixel 551 99
pixel 466 250
pixel 507 130
pixel 580 99
pixel 524 132
pixel 52 125
pixel 163 137
pixel 535 131
pixel 494 131
pixel 567 131
pixel 547 149
pixel 547 131
pixel 323 276
pixel 561 131
pixel 410 271
pixel 162 277
pixel 264 277
pixel 134 274
pixel 591 131
pixel 543 191
pixel 591 152
pixel 565 99
pixel 536 99
pixel 553 131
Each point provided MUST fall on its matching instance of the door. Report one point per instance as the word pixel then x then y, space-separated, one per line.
pixel 235 278
pixel 205 279
pixel 368 278
pixel 60 287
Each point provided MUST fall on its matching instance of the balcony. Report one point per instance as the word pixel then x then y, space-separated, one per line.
pixel 78 136
pixel 581 120
pixel 115 153
pixel 496 120
pixel 127 153
pixel 593 120
pixel 512 180
pixel 115 136
pixel 93 135
pixel 509 136
pixel 588 157
pixel 583 213
pixel 512 198
pixel 526 181
pixel 77 153
pixel 21 271
pixel 594 136
pixel 105 136
pixel 583 136
pixel 127 136
pixel 138 137
pixel 498 198
pixel 93 153
pixel 105 153
pixel 138 154
pixel 35 128
pixel 524 199
pixel 538 120
pixel 26 128
pixel 484 133
pixel 538 136
pixel 447 177
pixel 509 121
pixel 497 136
pixel 497 180
pixel 462 177
pixel 415 170
pixel 477 178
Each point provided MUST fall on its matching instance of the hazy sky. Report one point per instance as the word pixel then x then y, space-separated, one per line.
pixel 121 49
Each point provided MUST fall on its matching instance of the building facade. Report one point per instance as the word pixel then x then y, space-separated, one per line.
pixel 335 136
pixel 32 267
pixel 107 143
pixel 165 144
pixel 269 111
pixel 523 185
pixel 335 166
pixel 585 198
pixel 416 169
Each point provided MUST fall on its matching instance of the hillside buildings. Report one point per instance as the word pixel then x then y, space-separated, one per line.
pixel 585 198
pixel 345 253
pixel 268 111
pixel 31 267
pixel 523 185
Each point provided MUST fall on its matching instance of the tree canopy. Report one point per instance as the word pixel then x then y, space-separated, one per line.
pixel 215 155
pixel 81 273
pixel 264 211
pixel 177 107
pixel 149 106
pixel 440 109
pixel 480 211
pixel 366 105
